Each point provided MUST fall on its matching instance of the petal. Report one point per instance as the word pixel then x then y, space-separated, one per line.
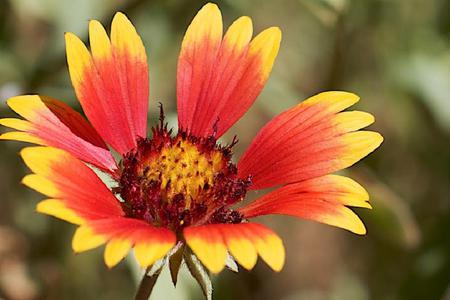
pixel 229 66
pixel 240 245
pixel 268 244
pixel 116 250
pixel 76 187
pixel 121 234
pixel 244 241
pixel 53 123
pixel 58 209
pixel 309 140
pixel 112 82
pixel 321 199
pixel 86 239
pixel 149 252
pixel 208 245
pixel 199 50
pixel 258 64
pixel 217 81
pixel 22 137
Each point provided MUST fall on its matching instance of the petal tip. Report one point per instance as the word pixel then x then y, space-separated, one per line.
pixel 209 11
pixel 375 139
pixel 356 226
pixel 120 17
pixel 70 36
pixel 275 31
pixel 360 230
pixel 26 152
pixel 210 6
pixel 245 21
pixel 93 24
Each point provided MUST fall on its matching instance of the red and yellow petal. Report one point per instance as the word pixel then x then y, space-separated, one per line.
pixel 260 58
pixel 218 80
pixel 310 140
pixel 244 241
pixel 53 123
pixel 111 82
pixel 58 209
pixel 77 194
pixel 208 245
pixel 121 235
pixel 229 66
pixel 196 61
pixel 116 249
pixel 322 199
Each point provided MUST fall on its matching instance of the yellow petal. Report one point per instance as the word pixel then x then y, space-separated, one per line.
pixel 40 159
pixel 357 146
pixel 266 45
pixel 116 250
pixel 350 192
pixel 335 101
pixel 352 120
pixel 99 41
pixel 149 252
pixel 239 34
pixel 208 245
pixel 243 251
pixel 207 24
pixel 344 218
pixel 56 208
pixel 17 124
pixel 26 106
pixel 125 39
pixel 85 239
pixel 41 184
pixel 22 137
pixel 271 250
pixel 78 59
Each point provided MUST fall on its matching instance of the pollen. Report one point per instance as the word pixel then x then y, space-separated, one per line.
pixel 181 180
pixel 183 169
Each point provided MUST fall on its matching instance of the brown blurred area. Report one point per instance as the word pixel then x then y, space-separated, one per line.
pixel 394 54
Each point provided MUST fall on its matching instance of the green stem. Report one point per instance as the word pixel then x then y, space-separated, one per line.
pixel 146 285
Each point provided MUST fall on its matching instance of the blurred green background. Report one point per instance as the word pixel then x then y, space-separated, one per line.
pixel 394 54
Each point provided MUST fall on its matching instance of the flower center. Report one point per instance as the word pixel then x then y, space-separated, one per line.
pixel 181 180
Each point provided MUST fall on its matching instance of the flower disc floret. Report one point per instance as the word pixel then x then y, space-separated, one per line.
pixel 181 180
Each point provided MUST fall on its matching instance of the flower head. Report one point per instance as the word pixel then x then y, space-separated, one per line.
pixel 182 187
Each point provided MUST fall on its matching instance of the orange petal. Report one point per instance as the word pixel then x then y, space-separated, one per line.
pixel 230 65
pixel 268 244
pixel 208 245
pixel 112 82
pixel 58 209
pixel 53 123
pixel 241 247
pixel 217 81
pixel 309 140
pixel 85 239
pixel 321 199
pixel 244 241
pixel 116 249
pixel 150 243
pixel 61 176
pixel 196 62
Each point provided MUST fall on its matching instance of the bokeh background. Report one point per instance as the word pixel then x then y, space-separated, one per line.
pixel 394 54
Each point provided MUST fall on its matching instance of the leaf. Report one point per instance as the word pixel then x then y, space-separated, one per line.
pixel 175 263
pixel 199 272
pixel 231 264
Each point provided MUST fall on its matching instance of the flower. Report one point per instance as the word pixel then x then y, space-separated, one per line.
pixel 182 187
